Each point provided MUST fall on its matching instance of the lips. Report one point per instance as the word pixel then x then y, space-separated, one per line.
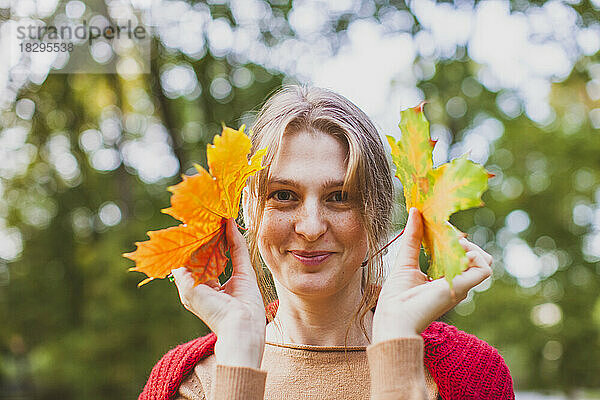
pixel 311 257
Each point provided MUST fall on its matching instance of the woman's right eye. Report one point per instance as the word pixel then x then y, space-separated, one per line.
pixel 282 195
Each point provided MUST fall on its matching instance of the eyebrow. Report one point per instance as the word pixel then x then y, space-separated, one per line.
pixel 290 182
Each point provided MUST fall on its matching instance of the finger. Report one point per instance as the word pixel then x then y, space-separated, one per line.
pixel 185 281
pixel 471 277
pixel 185 285
pixel 477 259
pixel 470 246
pixel 213 283
pixel 202 300
pixel 471 255
pixel 402 279
pixel 410 244
pixel 442 297
pixel 240 258
pixel 183 278
pixel 439 296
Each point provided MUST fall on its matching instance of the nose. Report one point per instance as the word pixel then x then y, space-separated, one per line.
pixel 311 222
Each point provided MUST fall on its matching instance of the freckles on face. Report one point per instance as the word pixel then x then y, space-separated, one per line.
pixel 311 236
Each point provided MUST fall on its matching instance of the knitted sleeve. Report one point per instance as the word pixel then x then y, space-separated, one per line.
pixel 170 371
pixel 465 367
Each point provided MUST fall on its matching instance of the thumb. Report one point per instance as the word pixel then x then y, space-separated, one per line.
pixel 238 249
pixel 410 244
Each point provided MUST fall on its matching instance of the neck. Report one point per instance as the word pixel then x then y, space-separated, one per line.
pixel 320 321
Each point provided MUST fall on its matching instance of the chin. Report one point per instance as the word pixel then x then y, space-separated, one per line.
pixel 320 280
pixel 314 284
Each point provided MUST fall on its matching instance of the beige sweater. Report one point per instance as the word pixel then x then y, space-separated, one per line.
pixel 389 370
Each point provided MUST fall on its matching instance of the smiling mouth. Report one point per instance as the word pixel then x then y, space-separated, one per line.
pixel 311 257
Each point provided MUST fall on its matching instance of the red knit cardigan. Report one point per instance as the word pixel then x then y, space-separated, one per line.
pixel 462 366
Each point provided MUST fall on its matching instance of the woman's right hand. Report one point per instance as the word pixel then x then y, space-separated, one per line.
pixel 233 311
pixel 408 301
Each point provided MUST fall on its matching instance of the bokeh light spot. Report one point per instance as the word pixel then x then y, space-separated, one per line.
pixel 517 221
pixel 546 315
pixel 109 214
pixel 25 109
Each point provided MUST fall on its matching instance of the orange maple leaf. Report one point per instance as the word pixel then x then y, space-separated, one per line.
pixel 203 203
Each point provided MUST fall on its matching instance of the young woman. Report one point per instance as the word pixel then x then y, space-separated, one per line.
pixel 316 218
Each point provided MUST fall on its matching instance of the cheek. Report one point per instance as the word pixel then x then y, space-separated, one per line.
pixel 274 231
pixel 350 230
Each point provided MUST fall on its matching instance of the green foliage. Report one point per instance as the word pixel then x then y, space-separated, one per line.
pixel 544 171
pixel 72 306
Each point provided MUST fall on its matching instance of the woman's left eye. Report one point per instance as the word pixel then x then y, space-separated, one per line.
pixel 282 195
pixel 339 196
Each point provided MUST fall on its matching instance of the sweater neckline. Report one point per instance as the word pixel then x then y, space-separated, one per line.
pixel 308 347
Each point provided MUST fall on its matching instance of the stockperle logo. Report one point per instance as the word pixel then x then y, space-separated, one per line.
pixel 78 37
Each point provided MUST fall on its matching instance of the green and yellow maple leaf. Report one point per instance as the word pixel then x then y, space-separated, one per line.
pixel 436 192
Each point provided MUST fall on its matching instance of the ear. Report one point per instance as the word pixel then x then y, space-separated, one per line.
pixel 246 207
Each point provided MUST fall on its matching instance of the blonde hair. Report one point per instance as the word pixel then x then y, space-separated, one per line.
pixel 295 108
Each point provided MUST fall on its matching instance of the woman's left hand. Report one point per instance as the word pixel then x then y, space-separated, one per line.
pixel 408 301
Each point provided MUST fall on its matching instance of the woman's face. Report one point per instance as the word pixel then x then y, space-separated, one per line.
pixel 311 236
